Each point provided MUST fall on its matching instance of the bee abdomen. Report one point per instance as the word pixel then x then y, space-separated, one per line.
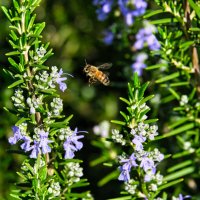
pixel 105 80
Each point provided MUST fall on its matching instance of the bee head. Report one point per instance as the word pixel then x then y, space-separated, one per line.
pixel 87 68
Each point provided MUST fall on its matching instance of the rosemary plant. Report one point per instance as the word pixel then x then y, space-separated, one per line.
pixel 42 131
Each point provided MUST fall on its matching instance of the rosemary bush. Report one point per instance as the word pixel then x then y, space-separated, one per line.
pixel 150 150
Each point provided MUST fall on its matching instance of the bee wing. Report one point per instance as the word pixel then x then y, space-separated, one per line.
pixel 105 66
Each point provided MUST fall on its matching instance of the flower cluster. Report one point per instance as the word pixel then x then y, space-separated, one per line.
pixel 128 8
pixel 56 107
pixel 184 100
pixel 39 143
pixel 48 81
pixel 139 64
pixel 18 98
pixel 108 37
pixel 131 9
pixel 54 189
pixel 104 8
pixel 71 143
pixel 74 172
pixel 40 52
pixel 146 36
pixel 102 129
pixel 146 160
pixel 117 137
pixel 34 104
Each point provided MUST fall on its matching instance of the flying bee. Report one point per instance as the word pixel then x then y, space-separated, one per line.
pixel 97 75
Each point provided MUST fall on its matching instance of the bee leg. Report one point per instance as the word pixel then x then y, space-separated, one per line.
pixel 92 81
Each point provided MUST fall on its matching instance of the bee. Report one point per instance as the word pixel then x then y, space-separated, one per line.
pixel 97 75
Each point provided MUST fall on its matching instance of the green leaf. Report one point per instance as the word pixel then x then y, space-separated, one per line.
pixel 118 122
pixel 167 99
pixel 156 66
pixel 169 77
pixel 16 5
pixel 180 165
pixel 152 13
pixel 149 121
pixel 14 46
pixel 182 154
pixel 12 53
pixel 23 119
pixel 13 63
pixel 49 91
pixel 142 90
pixel 16 83
pixel 124 115
pixel 194 29
pixel 39 28
pixel 27 18
pixel 176 131
pixel 130 91
pixel 170 184
pixel 31 22
pixel 164 21
pixel 186 45
pixel 15 196
pixel 179 174
pixel 146 99
pixel 178 122
pixel 179 84
pixel 195 7
pixel 111 176
pixel 10 110
pixel 5 10
pixel 15 19
pixel 122 198
pixel 58 124
pixel 99 160
pixel 8 73
pixel 13 35
pixel 136 82
pixel 124 100
pixel 192 94
pixel 24 178
pixel 174 93
pixel 81 183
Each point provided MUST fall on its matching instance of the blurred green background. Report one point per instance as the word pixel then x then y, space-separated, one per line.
pixel 75 35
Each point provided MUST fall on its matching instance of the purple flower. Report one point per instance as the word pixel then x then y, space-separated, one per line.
pixel 147 164
pixel 150 174
pixel 138 140
pixel 108 37
pixel 124 175
pixel 181 197
pixel 132 9
pixel 104 7
pixel 146 36
pixel 26 145
pixel 44 141
pixel 139 65
pixel 17 135
pixel 41 145
pixel 126 167
pixel 72 144
pixel 59 80
pixel 35 149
